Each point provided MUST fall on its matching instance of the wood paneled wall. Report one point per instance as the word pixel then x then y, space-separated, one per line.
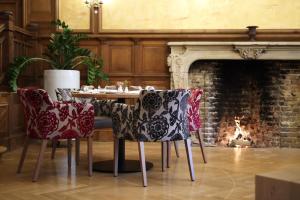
pixel 12 120
pixel 14 41
pixel 139 56
pixel 16 7
pixel 40 12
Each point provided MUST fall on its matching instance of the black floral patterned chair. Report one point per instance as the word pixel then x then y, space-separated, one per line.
pixel 102 110
pixel 157 116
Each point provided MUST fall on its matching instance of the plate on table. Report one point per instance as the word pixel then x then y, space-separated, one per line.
pixel 111 91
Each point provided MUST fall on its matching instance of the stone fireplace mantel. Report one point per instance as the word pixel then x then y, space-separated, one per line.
pixel 183 54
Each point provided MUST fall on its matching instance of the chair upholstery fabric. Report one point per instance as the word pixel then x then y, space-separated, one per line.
pixel 101 107
pixel 46 119
pixel 193 109
pixel 156 116
pixel 64 94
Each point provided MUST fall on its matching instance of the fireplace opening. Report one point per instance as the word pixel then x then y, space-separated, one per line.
pixel 249 103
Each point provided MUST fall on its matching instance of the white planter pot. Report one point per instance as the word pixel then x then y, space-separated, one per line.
pixel 55 78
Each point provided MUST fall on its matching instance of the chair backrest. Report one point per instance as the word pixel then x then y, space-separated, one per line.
pixel 64 94
pixel 35 101
pixel 193 109
pixel 161 115
pixel 102 107
pixel 46 119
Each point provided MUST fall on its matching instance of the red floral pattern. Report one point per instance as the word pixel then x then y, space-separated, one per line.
pixel 47 119
pixel 47 122
pixel 85 121
pixel 34 99
pixel 193 110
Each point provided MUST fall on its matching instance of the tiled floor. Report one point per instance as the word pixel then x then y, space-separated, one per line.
pixel 229 174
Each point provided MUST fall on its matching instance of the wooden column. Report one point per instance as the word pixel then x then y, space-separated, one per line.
pixel 7 39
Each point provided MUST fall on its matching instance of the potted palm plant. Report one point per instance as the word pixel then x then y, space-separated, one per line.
pixel 63 55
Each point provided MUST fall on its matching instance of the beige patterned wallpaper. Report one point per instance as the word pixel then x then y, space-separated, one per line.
pixel 186 14
pixel 75 13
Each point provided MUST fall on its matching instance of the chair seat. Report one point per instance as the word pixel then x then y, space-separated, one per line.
pixel 103 122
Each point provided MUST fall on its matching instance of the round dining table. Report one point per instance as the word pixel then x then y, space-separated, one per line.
pixel 124 166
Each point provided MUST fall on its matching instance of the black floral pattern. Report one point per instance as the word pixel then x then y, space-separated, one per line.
pixel 151 101
pixel 103 107
pixel 64 94
pixel 117 123
pixel 156 116
pixel 158 127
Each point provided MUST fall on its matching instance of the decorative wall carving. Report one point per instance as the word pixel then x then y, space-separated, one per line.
pixel 250 53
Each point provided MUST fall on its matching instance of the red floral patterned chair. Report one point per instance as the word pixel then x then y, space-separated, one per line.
pixel 194 120
pixel 48 120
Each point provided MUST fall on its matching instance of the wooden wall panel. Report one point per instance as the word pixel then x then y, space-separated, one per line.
pixel 14 6
pixel 4 120
pixel 41 12
pixel 153 57
pixel 121 58
pixel 95 48
pixel 12 121
pixel 156 82
pixel 1 54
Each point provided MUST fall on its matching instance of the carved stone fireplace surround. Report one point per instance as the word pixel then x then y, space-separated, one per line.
pixel 183 54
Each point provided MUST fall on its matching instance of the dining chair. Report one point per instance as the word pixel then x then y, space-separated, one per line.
pixel 102 114
pixel 193 115
pixel 157 116
pixel 48 120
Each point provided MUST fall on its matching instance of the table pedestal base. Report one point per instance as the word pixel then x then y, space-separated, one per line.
pixel 129 166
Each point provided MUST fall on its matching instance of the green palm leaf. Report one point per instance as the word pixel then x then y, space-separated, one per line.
pixel 63 52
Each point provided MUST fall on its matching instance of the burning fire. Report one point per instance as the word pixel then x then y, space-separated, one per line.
pixel 241 137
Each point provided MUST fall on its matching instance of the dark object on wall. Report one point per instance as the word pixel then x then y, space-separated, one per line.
pixel 252 32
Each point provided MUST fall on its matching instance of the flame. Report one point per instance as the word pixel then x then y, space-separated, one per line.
pixel 240 133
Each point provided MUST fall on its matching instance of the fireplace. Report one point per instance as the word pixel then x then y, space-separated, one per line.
pixel 252 90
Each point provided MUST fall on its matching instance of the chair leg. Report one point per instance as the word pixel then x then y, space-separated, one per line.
pixel 176 145
pixel 143 162
pixel 90 154
pixel 116 156
pixel 163 156
pixel 39 161
pixel 77 150
pixel 189 155
pixel 23 155
pixel 201 143
pixel 168 154
pixel 54 146
pixel 69 147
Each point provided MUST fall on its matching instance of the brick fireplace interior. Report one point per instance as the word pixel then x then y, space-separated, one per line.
pixel 262 95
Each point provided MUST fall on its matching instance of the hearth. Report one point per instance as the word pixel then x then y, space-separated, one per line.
pixel 244 103
pixel 251 92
